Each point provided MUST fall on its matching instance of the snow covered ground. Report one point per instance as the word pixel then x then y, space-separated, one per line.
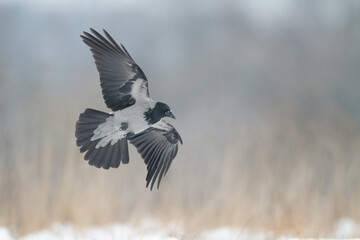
pixel 154 230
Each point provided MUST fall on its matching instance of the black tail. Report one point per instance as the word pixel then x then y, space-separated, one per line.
pixel 107 156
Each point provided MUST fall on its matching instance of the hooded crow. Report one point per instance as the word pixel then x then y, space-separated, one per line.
pixel 135 117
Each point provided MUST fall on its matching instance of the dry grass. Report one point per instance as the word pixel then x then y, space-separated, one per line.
pixel 286 174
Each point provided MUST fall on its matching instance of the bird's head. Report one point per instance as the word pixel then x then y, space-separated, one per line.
pixel 159 111
pixel 163 110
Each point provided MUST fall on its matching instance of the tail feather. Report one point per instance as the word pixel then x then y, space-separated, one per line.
pixel 107 156
pixel 124 151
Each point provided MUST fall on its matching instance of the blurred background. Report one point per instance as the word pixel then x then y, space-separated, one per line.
pixel 266 96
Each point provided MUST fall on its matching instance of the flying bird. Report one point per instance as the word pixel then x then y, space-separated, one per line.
pixel 135 116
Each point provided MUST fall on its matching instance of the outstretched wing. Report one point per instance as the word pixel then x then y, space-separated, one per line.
pixel 158 146
pixel 122 80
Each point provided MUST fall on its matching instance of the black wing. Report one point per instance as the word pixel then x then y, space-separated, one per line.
pixel 158 147
pixel 122 80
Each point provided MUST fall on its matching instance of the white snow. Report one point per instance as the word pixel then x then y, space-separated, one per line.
pixel 111 232
pixel 347 228
pixel 4 233
pixel 234 233
pixel 155 230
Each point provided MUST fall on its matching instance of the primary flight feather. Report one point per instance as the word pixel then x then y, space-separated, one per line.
pixel 135 117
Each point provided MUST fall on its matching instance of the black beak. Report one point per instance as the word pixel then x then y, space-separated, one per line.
pixel 170 114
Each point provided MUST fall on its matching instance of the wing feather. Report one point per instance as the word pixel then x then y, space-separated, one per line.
pixel 158 146
pixel 118 71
